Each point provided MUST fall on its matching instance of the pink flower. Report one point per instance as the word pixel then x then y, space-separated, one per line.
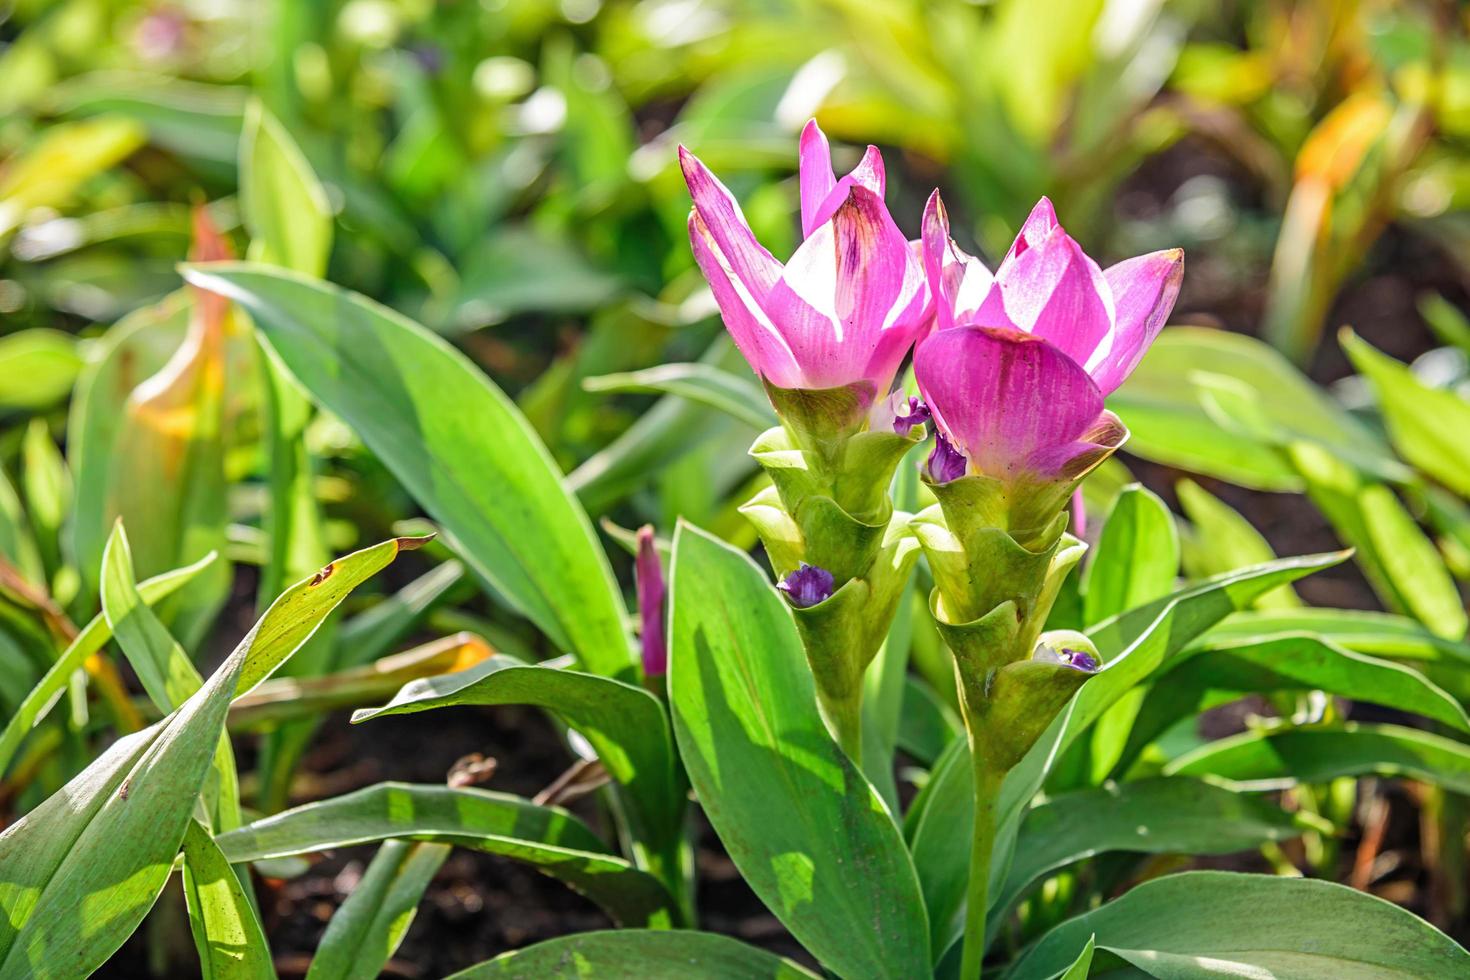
pixel 1016 374
pixel 847 306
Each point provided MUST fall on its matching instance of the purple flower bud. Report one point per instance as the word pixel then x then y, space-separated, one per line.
pixel 807 586
pixel 649 575
pixel 918 414
pixel 945 462
pixel 1077 659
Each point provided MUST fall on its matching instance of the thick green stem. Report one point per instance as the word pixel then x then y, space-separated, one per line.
pixel 844 716
pixel 982 842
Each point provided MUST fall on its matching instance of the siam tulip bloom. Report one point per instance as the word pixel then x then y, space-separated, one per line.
pixel 847 306
pixel 1016 373
pixel 649 576
pixel 807 586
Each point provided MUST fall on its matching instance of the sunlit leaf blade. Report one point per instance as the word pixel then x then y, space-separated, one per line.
pixel 626 726
pixel 1136 558
pixel 367 928
pixel 1427 425
pixel 1396 556
pixel 48 172
pixel 285 208
pixel 770 778
pixel 1171 423
pixel 1220 539
pixel 1134 645
pixel 641 953
pixel 1151 816
pixel 165 671
pixel 226 930
pixel 285 698
pixel 455 442
pixel 91 639
pixel 37 368
pixel 1315 755
pixel 1215 923
pixel 70 894
pixel 548 838
pixel 736 396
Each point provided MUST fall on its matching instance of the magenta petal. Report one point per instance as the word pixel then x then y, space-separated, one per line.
pixel 1038 225
pixel 728 230
pixel 1144 291
pixel 649 580
pixel 816 176
pixel 1008 400
pixel 753 332
pixel 852 297
pixel 957 281
pixel 868 174
pixel 1052 289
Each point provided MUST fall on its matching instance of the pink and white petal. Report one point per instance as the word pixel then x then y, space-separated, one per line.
pixel 869 172
pixel 1003 397
pixel 851 278
pixel 1054 290
pixel 1144 290
pixel 1075 459
pixel 958 283
pixel 728 230
pixel 816 176
pixel 1039 224
pixel 757 338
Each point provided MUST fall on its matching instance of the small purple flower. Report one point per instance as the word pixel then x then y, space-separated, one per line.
pixel 649 575
pixel 918 414
pixel 1076 659
pixel 945 463
pixel 807 586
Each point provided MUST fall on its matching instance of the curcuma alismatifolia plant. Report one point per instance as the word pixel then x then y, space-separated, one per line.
pixel 934 742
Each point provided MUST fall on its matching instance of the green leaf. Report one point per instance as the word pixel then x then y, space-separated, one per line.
pixel 1149 816
pixel 1220 539
pixel 48 172
pixel 284 207
pixel 661 436
pixel 1283 662
pixel 735 395
pixel 1215 923
pixel 1171 423
pixel 1082 965
pixel 70 895
pixel 1136 559
pixel 626 726
pixel 366 929
pixel 770 778
pixel 638 953
pixel 165 671
pixel 548 838
pixel 226 930
pixel 1313 755
pixel 1399 560
pixel 455 441
pixel 37 369
pixel 1307 662
pixel 48 490
pixel 1134 646
pixel 91 639
pixel 1425 424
